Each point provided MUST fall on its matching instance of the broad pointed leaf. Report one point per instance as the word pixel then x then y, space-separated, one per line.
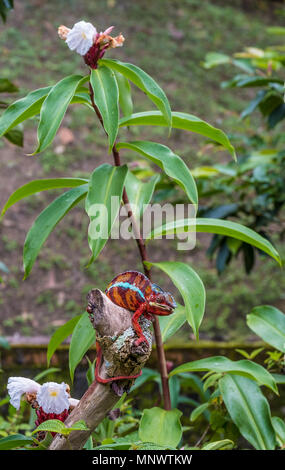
pixel 105 190
pixel 15 136
pixel 147 374
pixel 46 222
pixel 15 440
pixel 279 428
pixel 37 186
pixel 161 427
pixel 221 364
pixel 23 109
pixel 190 287
pixel 185 121
pixel 82 338
pixel 268 323
pixel 145 82
pixel 221 227
pixel 172 323
pixel 139 192
pixel 171 163
pixel 54 108
pixel 225 444
pixel 45 372
pixel 198 411
pixel 125 94
pixel 60 335
pixel 106 98
pixel 249 410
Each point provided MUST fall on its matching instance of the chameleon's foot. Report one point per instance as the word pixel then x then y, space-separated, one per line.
pixel 140 341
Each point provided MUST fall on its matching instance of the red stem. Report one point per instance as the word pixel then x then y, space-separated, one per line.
pixel 144 257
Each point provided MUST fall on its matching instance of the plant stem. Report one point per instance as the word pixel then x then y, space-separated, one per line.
pixel 199 442
pixel 144 257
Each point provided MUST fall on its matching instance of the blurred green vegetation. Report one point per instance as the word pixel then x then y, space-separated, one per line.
pixel 169 39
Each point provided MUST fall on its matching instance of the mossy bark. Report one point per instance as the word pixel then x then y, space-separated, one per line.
pixel 116 336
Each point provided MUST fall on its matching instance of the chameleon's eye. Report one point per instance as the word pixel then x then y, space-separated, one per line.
pixel 160 298
pixel 170 299
pixel 156 288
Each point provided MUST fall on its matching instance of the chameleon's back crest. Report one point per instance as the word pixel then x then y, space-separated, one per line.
pixel 129 289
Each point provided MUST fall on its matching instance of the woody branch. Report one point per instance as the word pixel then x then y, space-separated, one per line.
pixel 114 331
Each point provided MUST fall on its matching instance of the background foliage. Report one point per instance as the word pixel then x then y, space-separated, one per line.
pixel 183 41
pixel 227 403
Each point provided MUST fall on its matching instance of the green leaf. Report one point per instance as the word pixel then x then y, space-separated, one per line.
pixel 15 136
pixel 45 443
pixel 276 30
pixel 106 182
pixel 254 103
pixel 88 444
pixel 5 6
pixel 41 185
pixel 185 121
pixel 23 109
pixel 54 108
pixel 249 410
pixel 139 192
pixel 172 323
pixel 106 98
pixel 174 389
pixel 161 427
pixel 82 338
pixel 279 428
pixel 46 222
pixel 90 374
pixel 147 374
pixel 143 81
pixel 125 94
pixel 82 98
pixel 221 364
pixel 171 163
pixel 242 81
pixel 6 86
pixel 115 446
pixel 190 287
pixel 151 446
pixel 79 426
pixel 225 444
pixel 45 372
pixel 51 425
pixel 221 227
pixel 279 378
pixel 198 411
pixel 60 335
pixel 204 172
pixel 268 323
pixel 211 380
pixel 213 59
pixel 15 440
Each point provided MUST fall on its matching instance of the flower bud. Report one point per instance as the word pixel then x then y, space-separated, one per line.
pixel 63 32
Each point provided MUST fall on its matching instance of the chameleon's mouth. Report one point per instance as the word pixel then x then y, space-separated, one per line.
pixel 167 308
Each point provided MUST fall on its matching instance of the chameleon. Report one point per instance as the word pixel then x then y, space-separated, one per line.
pixel 133 291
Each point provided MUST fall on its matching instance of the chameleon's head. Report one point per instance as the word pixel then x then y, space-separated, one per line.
pixel 161 302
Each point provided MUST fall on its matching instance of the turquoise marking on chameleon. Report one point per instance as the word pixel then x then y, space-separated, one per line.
pixel 127 285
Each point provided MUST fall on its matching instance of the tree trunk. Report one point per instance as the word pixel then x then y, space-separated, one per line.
pixel 116 337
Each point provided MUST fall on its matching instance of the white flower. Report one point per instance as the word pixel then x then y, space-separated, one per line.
pixel 17 386
pixel 73 402
pixel 80 38
pixel 53 397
